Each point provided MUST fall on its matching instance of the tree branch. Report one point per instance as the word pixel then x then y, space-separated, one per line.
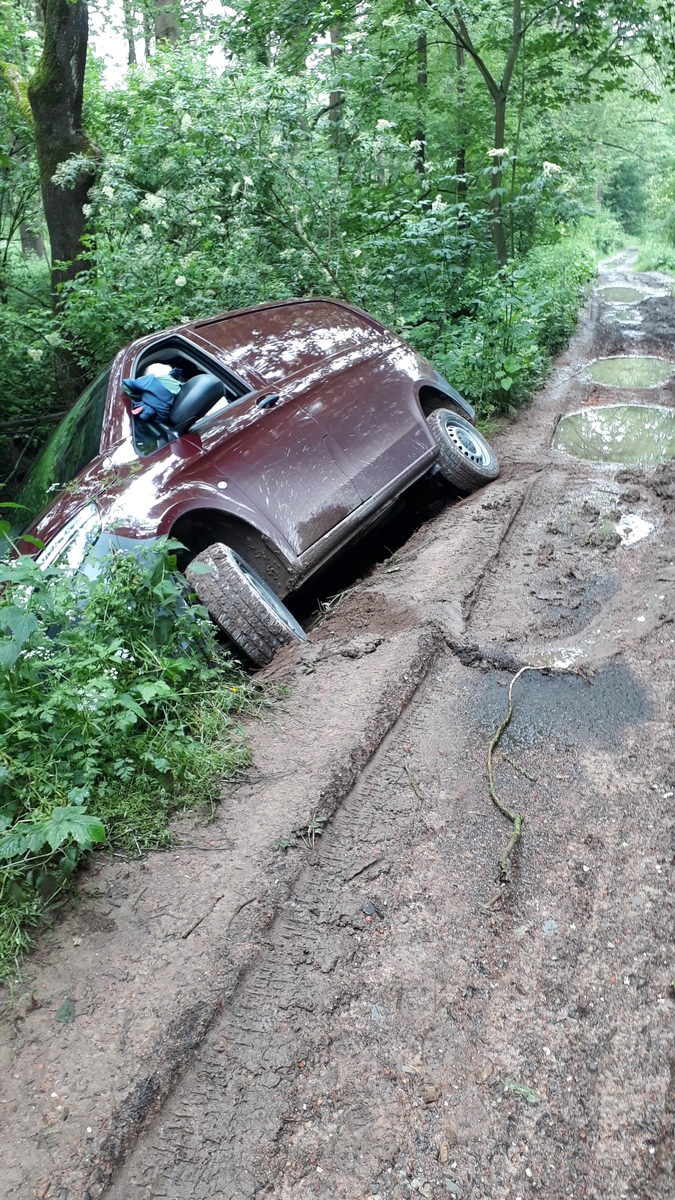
pixel 462 36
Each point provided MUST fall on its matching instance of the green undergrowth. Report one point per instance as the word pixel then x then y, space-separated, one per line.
pixel 656 255
pixel 521 317
pixel 117 709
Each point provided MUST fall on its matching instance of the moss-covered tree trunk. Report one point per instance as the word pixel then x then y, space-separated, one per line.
pixel 55 95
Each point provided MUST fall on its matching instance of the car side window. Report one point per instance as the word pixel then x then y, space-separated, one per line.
pixel 185 364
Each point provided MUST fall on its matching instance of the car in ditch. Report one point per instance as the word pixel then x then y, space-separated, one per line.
pixel 289 429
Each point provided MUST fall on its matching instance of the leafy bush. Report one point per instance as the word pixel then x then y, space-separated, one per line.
pixel 600 233
pixel 522 316
pixel 116 708
pixel 656 255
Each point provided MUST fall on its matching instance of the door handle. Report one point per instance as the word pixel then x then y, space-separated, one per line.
pixel 268 401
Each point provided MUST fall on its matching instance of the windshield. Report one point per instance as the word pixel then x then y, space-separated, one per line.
pixel 73 445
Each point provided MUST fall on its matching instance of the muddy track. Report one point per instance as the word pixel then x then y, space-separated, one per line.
pixel 370 1012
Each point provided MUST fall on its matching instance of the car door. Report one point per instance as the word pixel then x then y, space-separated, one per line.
pixel 280 457
pixel 369 411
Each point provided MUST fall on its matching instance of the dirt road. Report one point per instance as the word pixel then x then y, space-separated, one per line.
pixel 371 1011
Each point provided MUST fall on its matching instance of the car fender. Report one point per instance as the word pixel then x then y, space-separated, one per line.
pixel 436 383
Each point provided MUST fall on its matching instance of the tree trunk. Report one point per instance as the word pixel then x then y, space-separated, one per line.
pixel 167 27
pixel 147 29
pixel 55 95
pixel 128 10
pixel 496 184
pixel 460 157
pixel 420 132
pixel 337 95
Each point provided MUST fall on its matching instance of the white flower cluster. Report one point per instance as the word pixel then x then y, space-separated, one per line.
pixel 550 168
pixel 152 202
pixel 496 152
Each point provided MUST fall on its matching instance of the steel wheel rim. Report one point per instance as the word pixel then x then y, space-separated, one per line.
pixel 469 443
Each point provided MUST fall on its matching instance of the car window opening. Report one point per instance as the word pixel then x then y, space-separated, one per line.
pixel 193 383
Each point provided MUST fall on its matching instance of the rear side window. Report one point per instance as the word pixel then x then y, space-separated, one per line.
pixel 74 443
pixel 279 342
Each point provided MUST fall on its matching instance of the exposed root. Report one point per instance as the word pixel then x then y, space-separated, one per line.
pixel 515 818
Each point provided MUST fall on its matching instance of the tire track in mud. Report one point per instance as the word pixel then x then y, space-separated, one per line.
pixel 318 1078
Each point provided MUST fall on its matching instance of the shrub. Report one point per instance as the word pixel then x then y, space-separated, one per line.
pixel 116 708
pixel 522 316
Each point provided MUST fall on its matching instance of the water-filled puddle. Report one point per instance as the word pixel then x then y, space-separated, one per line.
pixel 631 371
pixel 619 433
pixel 627 316
pixel 621 295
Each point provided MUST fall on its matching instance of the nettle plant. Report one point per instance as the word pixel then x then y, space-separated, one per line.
pixel 117 706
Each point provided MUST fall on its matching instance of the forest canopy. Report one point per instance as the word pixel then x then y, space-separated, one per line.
pixel 452 168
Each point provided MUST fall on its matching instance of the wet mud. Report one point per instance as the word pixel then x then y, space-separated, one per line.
pixel 330 991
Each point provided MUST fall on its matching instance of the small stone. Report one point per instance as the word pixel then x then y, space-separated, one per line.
pixel 431 1094
pixel 451 1186
pixel 443 1153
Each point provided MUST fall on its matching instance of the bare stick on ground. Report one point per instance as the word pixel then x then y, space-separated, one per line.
pixel 515 818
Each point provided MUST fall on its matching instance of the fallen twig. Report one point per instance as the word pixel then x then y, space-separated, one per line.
pixel 515 818
pixel 520 770
pixel 186 933
pixel 414 784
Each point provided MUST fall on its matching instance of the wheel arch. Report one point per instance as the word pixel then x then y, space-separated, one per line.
pixel 201 527
pixel 432 396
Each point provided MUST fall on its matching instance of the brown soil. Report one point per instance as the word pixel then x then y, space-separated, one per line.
pixel 371 1011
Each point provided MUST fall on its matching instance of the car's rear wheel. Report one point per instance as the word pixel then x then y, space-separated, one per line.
pixel 466 460
pixel 242 604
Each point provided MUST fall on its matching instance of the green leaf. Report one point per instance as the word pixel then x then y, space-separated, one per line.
pixel 9 652
pixel 19 623
pixel 66 1013
pixel 14 843
pixel 202 569
pixel 505 382
pixel 72 822
pixel 127 701
pixel 153 691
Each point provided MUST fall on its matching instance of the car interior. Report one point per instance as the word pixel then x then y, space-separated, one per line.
pixel 203 393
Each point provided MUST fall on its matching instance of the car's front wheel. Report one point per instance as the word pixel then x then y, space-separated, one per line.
pixel 466 460
pixel 242 604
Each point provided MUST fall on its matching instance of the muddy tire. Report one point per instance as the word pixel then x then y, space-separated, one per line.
pixel 466 460
pixel 242 604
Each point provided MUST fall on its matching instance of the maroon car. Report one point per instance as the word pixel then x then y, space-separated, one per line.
pixel 292 428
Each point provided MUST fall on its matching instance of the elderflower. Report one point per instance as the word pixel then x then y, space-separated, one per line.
pixel 180 281
pixel 152 202
pixel 185 122
pixel 34 354
pixel 87 210
pixel 108 192
pixel 498 153
pixel 382 124
pixel 146 232
pixel 550 168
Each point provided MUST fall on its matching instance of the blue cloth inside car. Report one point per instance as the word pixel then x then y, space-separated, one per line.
pixel 153 396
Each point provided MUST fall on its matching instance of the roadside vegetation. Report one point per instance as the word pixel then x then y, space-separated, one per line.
pixel 455 169
pixel 117 707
